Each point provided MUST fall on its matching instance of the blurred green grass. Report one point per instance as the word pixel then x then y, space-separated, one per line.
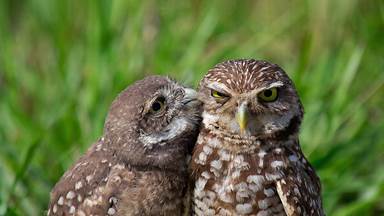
pixel 63 62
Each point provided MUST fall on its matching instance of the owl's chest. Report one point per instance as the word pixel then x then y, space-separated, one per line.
pixel 154 193
pixel 236 184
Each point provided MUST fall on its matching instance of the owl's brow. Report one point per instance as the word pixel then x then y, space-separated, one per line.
pixel 219 87
pixel 269 86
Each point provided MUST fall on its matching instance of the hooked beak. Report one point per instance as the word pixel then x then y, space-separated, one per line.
pixel 242 117
pixel 190 96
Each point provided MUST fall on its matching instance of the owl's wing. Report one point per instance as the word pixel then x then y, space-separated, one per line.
pixel 99 185
pixel 299 191
pixel 90 186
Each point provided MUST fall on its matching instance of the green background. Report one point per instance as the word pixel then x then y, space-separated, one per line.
pixel 63 62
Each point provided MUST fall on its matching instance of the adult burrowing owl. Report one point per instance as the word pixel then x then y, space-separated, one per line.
pixel 138 167
pixel 247 160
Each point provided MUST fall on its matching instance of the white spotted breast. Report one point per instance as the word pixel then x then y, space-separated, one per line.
pixel 230 183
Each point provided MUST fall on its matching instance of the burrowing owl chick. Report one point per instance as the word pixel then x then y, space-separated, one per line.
pixel 248 160
pixel 138 166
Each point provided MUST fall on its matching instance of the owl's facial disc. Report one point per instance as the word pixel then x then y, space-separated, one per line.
pixel 263 110
pixel 175 115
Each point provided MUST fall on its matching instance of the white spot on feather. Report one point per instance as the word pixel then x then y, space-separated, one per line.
pixel 240 163
pixel 199 187
pixel 235 174
pixel 256 179
pixel 206 175
pixel 261 155
pixel 60 201
pixel 207 150
pixel 213 142
pixel 98 147
pixel 200 183
pixel 276 164
pixel 70 195
pixel 72 210
pixel 255 182
pixel 78 185
pixel 201 205
pixel 111 211
pixel 119 167
pixel 224 212
pixel 242 191
pixel 272 176
pixel 245 208
pixel 216 164
pixel 224 155
pixel 269 192
pixel 278 150
pixel 202 157
pixel 89 178
pixel 263 204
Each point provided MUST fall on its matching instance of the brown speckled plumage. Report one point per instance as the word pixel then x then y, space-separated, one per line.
pixel 259 170
pixel 138 166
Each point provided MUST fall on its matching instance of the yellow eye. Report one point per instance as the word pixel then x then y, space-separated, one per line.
pixel 268 95
pixel 217 94
pixel 158 105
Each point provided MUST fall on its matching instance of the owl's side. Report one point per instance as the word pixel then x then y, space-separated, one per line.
pixel 247 160
pixel 138 166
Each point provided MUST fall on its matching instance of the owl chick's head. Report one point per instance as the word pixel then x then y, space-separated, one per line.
pixel 250 98
pixel 155 121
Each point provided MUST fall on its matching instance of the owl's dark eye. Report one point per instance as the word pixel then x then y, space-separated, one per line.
pixel 158 105
pixel 268 95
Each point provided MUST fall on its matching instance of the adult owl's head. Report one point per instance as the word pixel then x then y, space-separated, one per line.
pixel 154 121
pixel 250 98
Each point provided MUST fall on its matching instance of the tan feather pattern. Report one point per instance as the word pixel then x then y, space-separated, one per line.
pixel 262 170
pixel 139 165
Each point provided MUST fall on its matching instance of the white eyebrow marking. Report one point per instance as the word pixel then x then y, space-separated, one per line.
pixel 220 87
pixel 275 84
pixel 258 90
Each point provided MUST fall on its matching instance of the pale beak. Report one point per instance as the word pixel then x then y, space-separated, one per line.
pixel 190 96
pixel 242 117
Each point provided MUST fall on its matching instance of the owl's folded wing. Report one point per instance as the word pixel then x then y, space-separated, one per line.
pixel 90 186
pixel 299 191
